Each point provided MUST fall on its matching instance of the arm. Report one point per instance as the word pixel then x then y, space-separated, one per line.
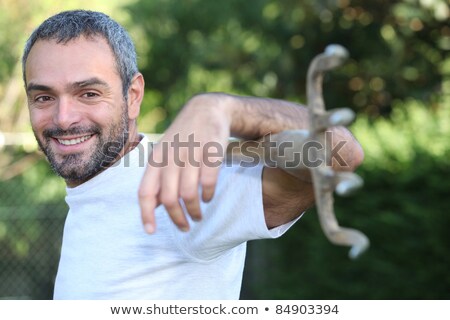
pixel 286 195
pixel 214 117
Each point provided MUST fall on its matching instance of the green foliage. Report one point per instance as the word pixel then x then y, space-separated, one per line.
pixel 263 48
pixel 396 144
pixel 32 213
pixel 403 208
pixel 399 68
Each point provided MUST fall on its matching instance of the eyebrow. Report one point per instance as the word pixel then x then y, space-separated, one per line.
pixel 37 87
pixel 76 85
pixel 89 82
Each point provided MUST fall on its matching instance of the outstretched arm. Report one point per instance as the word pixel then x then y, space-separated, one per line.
pixel 213 118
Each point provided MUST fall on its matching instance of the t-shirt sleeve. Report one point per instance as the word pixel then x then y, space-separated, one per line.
pixel 234 216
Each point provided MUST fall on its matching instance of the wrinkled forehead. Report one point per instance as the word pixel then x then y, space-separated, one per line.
pixel 84 42
pixel 82 57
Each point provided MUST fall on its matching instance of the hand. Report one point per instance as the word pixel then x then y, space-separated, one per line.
pixel 188 158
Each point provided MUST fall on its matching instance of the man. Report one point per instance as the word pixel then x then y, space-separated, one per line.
pixel 84 94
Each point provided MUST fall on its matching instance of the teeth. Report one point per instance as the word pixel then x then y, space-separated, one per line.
pixel 71 142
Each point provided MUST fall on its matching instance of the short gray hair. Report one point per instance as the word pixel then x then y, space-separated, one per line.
pixel 70 25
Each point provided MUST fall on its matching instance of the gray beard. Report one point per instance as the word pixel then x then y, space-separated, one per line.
pixel 106 150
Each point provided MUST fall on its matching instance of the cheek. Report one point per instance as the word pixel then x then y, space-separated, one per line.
pixel 106 116
pixel 38 119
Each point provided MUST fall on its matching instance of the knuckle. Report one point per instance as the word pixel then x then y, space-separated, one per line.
pixel 156 155
pixel 169 201
pixel 188 194
pixel 143 194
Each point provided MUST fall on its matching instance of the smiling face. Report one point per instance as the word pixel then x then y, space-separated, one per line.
pixel 77 110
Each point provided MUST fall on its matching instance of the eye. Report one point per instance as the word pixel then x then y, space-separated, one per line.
pixel 43 99
pixel 90 94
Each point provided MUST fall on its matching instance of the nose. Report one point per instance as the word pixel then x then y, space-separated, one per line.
pixel 66 114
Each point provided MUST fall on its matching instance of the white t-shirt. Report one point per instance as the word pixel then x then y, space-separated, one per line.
pixel 107 255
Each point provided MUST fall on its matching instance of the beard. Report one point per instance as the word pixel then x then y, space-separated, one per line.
pixel 80 167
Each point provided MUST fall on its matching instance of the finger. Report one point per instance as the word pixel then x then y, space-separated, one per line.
pixel 208 180
pixel 169 197
pixel 148 201
pixel 189 191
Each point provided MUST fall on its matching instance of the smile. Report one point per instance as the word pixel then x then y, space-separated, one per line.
pixel 72 142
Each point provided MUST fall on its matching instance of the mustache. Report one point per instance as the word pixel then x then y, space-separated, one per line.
pixel 48 133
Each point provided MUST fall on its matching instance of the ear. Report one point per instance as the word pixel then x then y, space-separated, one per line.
pixel 135 96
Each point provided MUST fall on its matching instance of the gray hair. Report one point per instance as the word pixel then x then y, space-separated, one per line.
pixel 70 25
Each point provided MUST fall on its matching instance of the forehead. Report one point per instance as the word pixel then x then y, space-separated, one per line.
pixel 76 60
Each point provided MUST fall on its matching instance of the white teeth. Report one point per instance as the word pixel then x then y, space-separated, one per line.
pixel 71 142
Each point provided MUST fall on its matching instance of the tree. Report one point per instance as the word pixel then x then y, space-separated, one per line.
pixel 263 48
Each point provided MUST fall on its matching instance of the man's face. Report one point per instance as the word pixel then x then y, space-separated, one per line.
pixel 77 110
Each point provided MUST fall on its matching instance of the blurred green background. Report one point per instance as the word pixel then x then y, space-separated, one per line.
pixel 397 80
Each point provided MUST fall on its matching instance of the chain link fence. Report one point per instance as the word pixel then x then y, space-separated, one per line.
pixel 29 251
pixel 32 214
